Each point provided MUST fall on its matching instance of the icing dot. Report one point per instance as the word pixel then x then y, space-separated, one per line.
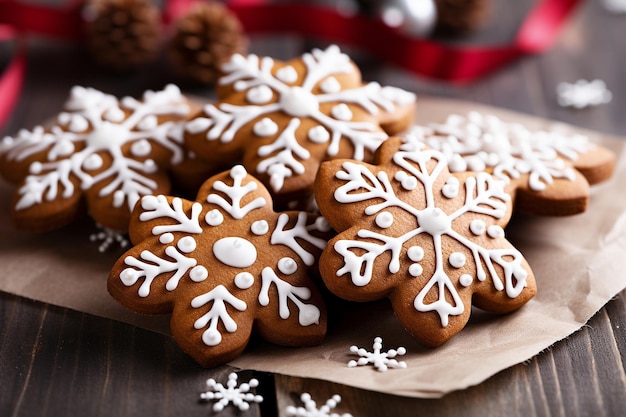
pixel 211 337
pixel 299 102
pixel 322 224
pixel 214 218
pixel 477 227
pixel 287 74
pixel 259 95
pixel 141 148
pixel 495 231
pixel 235 251
pixel 415 253
pixel 78 124
pixel 148 123
pixel 416 270
pixel 65 148
pixel 187 244
pixel 465 280
pixel 265 127
pixel 318 134
pixel 114 114
pixel 150 166
pixel 129 276
pixel 198 125
pixel 35 168
pixel 408 182
pixel 330 85
pixel 166 238
pixel 341 112
pixel 287 266
pixel 63 118
pixel 309 314
pixel 260 227
pixel 457 259
pixel 384 220
pixel 198 273
pixel 451 188
pixel 457 164
pixel 244 280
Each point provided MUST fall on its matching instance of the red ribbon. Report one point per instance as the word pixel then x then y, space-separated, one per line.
pixel 425 57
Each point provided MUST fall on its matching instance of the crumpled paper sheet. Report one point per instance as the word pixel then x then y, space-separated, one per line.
pixel 576 261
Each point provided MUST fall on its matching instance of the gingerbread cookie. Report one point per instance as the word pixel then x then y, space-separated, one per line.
pixel 548 172
pixel 283 118
pixel 430 240
pixel 223 265
pixel 100 150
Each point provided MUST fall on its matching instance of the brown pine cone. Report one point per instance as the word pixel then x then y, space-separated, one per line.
pixel 122 34
pixel 457 17
pixel 204 38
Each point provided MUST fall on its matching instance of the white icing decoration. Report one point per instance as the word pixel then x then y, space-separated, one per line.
pixel 477 141
pixel 478 227
pixel 158 207
pixel 281 236
pixel 408 182
pixel 483 195
pixel 93 123
pixel 214 217
pixel 457 260
pixel 244 280
pixel 235 251
pixel 287 266
pixel 318 134
pixel 283 158
pixel 384 219
pixel 259 95
pixel 308 313
pixel 330 85
pixel 166 238
pixel 198 273
pixel 466 280
pixel 341 112
pixel 260 227
pixel 141 148
pixel 236 193
pixel 451 188
pixel 495 231
pixel 218 297
pixel 265 127
pixel 187 244
pixel 287 75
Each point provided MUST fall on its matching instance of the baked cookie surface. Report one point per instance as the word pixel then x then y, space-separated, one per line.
pixel 100 152
pixel 224 265
pixel 548 172
pixel 431 241
pixel 281 119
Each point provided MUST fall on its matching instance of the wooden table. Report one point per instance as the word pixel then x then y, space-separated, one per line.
pixel 59 362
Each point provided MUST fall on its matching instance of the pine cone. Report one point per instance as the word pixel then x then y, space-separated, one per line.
pixel 122 34
pixel 457 17
pixel 204 38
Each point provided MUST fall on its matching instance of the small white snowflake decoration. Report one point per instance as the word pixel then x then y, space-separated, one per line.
pixel 240 396
pixel 310 408
pixel 380 360
pixel 107 237
pixel 583 94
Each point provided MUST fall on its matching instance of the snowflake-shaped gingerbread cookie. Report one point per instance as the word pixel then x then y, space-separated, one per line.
pixel 222 265
pixel 548 172
pixel 101 150
pixel 283 118
pixel 431 241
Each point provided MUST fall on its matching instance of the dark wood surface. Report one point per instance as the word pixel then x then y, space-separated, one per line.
pixel 59 362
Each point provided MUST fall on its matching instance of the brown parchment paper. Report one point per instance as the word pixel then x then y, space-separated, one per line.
pixel 576 261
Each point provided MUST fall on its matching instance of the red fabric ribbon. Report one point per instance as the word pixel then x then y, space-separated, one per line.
pixel 425 57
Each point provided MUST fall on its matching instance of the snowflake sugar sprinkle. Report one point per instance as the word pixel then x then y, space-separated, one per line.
pixel 107 237
pixel 381 361
pixel 583 94
pixel 240 397
pixel 310 408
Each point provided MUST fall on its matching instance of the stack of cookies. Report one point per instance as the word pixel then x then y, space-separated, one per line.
pixel 307 180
